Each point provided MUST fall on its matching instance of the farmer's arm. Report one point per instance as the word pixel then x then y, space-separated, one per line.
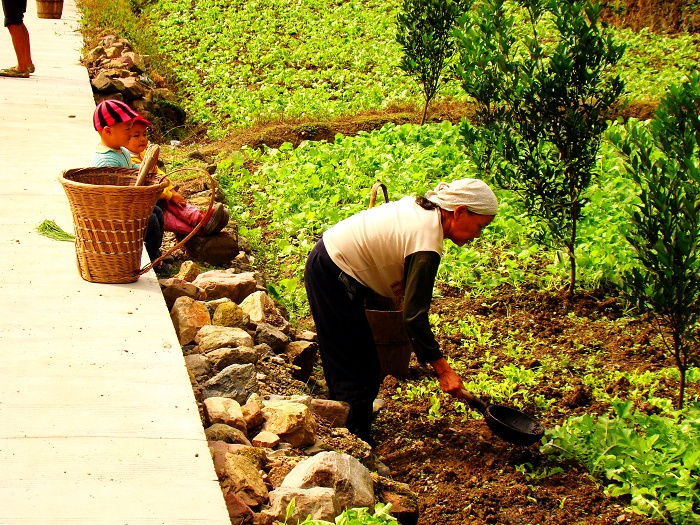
pixel 419 278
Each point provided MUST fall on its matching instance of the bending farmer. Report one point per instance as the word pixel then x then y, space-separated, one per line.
pixel 393 250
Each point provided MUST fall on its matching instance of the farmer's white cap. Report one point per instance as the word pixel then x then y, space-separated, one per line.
pixel 472 193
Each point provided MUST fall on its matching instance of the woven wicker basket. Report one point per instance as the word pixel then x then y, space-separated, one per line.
pixel 110 216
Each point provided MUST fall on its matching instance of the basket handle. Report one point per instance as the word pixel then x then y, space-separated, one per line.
pixel 195 229
pixel 373 195
pixel 149 160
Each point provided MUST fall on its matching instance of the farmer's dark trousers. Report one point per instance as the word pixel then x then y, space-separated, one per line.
pixel 348 352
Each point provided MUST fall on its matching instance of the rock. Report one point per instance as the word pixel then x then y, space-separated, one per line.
pixel 198 364
pixel 232 315
pixel 211 337
pixel 224 410
pixel 214 249
pixel 242 478
pixel 343 473
pixel 223 357
pixel 188 317
pixel 238 512
pixel 95 53
pixel 221 283
pixel 133 89
pixel 214 304
pixel 164 94
pixel 173 288
pixel 318 502
pixel 114 51
pixel 189 270
pixel 279 464
pixel 226 433
pixel 235 381
pixel 218 451
pixel 102 83
pixel 263 350
pixel 306 335
pixel 404 502
pixel 137 61
pixel 252 414
pixel 302 354
pixel 293 422
pixel 335 412
pixel 270 335
pixel 297 398
pixel 261 309
pixel 266 439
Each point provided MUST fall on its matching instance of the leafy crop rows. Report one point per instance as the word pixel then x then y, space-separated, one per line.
pixel 238 63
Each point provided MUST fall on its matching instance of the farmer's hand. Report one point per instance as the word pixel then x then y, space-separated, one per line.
pixel 177 199
pixel 450 382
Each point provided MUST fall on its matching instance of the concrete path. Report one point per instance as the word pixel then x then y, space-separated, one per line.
pixel 98 423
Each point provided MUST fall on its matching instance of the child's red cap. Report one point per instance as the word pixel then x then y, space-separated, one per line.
pixel 111 112
pixel 142 120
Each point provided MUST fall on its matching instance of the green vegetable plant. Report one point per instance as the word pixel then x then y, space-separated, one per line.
pixel 552 100
pixel 663 159
pixel 651 458
pixel 50 229
pixel 424 31
pixel 357 516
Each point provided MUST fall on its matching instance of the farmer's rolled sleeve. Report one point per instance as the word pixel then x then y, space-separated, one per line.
pixel 419 278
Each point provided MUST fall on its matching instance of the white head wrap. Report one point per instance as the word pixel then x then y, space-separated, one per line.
pixel 472 193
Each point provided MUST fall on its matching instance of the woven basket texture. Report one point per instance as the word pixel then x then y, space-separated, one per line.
pixel 110 216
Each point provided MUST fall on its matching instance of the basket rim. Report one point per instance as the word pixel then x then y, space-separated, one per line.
pixel 112 187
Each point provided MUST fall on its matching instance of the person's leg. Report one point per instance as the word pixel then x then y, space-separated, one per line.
pixel 348 351
pixel 172 222
pixel 20 41
pixel 14 21
pixel 154 234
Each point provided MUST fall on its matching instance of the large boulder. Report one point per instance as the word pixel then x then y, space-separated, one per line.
pixel 224 410
pixel 188 317
pixel 293 422
pixel 235 381
pixel 241 477
pixel 224 283
pixel 212 337
pixel 262 309
pixel 351 481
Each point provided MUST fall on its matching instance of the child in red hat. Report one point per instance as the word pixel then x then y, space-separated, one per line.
pixel 179 216
pixel 112 121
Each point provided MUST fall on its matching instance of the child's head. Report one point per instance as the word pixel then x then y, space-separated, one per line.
pixel 112 120
pixel 138 141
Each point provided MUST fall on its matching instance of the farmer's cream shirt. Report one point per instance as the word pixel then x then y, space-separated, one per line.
pixel 372 245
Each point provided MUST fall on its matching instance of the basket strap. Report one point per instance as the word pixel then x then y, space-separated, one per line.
pixel 373 195
pixel 196 228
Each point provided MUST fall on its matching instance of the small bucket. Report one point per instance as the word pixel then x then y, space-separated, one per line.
pixel 393 345
pixel 49 8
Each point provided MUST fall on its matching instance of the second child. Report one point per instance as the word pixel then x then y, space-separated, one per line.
pixel 178 216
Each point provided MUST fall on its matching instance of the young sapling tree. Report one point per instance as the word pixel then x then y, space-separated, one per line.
pixel 547 107
pixel 424 31
pixel 662 158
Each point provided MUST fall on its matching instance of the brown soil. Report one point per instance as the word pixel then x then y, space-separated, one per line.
pixel 273 135
pixel 462 473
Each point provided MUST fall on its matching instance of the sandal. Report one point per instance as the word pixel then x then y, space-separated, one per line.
pixel 14 72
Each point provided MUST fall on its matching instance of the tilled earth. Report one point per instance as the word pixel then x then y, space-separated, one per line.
pixel 461 471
